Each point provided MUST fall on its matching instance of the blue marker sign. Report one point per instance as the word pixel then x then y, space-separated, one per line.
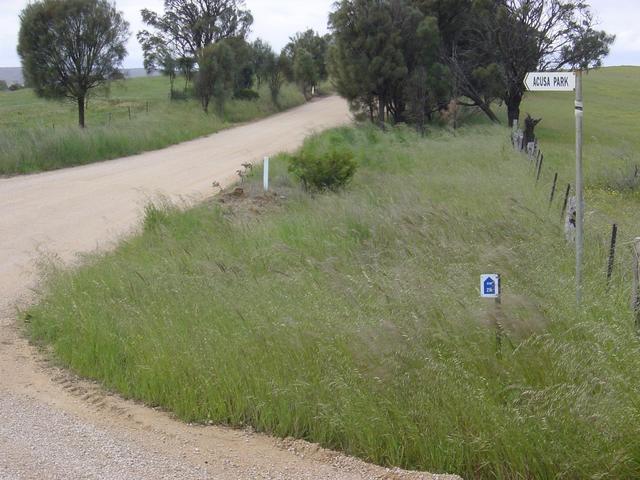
pixel 490 286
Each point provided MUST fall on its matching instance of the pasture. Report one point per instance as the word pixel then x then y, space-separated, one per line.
pixel 132 116
pixel 353 319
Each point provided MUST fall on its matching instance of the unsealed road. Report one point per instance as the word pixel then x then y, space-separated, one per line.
pixel 55 426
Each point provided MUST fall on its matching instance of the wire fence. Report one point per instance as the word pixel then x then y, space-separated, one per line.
pixel 558 189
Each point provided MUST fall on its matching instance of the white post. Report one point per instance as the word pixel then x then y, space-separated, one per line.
pixel 265 174
pixel 579 107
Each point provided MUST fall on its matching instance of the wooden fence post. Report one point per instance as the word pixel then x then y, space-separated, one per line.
pixel 129 113
pixel 635 298
pixel 539 168
pixel 566 200
pixel 553 189
pixel 612 252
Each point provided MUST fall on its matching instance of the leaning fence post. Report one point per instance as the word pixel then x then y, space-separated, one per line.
pixel 566 200
pixel 612 252
pixel 635 298
pixel 553 189
pixel 539 168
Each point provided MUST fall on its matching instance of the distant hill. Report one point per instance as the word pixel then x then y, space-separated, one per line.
pixel 14 74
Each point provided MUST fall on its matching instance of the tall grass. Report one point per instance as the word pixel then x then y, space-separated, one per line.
pixel 38 135
pixel 353 319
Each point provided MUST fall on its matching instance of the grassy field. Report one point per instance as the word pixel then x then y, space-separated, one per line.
pixel 353 319
pixel 37 134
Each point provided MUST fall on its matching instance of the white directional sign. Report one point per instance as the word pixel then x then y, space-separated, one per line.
pixel 490 285
pixel 550 81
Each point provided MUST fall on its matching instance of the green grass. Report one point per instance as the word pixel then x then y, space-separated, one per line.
pixel 611 146
pixel 353 319
pixel 37 134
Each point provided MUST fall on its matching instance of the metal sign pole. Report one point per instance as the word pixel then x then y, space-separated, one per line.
pixel 579 107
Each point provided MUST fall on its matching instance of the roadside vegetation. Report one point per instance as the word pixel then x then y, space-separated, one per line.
pixel 37 134
pixel 72 52
pixel 352 318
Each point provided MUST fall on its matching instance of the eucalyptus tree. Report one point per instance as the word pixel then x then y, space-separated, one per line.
pixel 69 47
pixel 380 51
pixel 543 35
pixel 215 77
pixel 187 26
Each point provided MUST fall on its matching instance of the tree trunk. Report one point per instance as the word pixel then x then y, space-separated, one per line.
pixel 81 112
pixel 381 111
pixel 488 112
pixel 513 107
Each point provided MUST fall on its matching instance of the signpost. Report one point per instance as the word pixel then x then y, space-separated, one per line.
pixel 550 81
pixel 490 285
pixel 567 82
pixel 490 288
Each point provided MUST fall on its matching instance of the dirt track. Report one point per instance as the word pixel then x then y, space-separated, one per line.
pixel 53 425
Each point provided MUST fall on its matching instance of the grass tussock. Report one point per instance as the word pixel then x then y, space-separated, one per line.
pixel 37 135
pixel 352 319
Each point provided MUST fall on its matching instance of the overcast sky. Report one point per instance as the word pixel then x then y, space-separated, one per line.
pixel 276 20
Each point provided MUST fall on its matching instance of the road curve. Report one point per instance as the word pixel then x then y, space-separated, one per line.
pixel 56 426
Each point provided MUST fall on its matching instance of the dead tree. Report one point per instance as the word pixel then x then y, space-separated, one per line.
pixel 529 127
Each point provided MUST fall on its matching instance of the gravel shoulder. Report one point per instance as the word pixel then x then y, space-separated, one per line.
pixel 56 426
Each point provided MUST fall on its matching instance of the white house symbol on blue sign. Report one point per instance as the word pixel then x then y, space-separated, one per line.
pixel 489 286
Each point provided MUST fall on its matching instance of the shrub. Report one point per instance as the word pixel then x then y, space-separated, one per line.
pixel 15 87
pixel 323 170
pixel 3 86
pixel 246 94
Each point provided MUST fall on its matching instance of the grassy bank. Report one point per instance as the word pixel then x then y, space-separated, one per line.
pixel 353 319
pixel 36 134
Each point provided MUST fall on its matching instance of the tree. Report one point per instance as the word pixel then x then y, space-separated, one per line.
pixel 475 79
pixel 215 78
pixel 243 70
pixel 261 54
pixel 526 35
pixel 158 56
pixel 69 47
pixel 315 45
pixel 187 26
pixel 276 68
pixel 305 72
pixel 380 48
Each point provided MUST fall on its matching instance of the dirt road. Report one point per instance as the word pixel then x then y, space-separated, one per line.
pixel 55 426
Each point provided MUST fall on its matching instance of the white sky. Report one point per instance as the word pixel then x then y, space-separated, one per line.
pixel 276 20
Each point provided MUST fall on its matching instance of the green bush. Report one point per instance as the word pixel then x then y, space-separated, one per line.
pixel 323 170
pixel 246 94
pixel 3 86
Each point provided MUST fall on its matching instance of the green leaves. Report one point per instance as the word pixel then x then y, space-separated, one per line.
pixel 70 47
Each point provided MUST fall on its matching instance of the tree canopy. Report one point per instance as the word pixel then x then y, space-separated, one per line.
pixel 178 35
pixel 215 78
pixel 389 54
pixel 69 47
pixel 186 26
